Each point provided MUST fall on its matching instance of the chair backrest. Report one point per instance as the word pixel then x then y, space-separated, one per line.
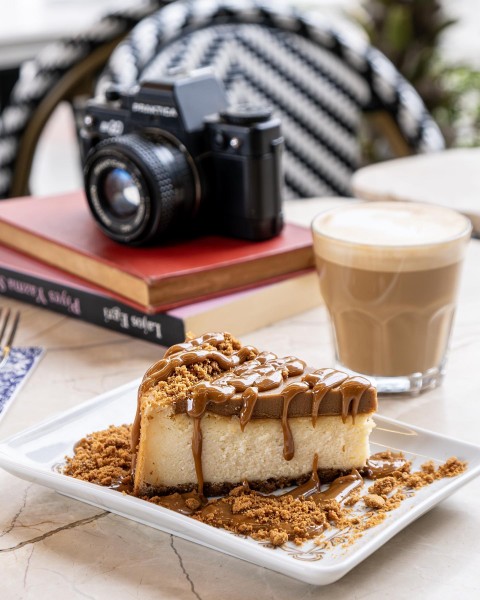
pixel 61 71
pixel 319 80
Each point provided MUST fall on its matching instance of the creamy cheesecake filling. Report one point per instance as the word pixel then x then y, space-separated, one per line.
pixel 338 445
pixel 253 392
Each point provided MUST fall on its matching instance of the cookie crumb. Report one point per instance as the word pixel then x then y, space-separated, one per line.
pixel 373 501
pixel 428 467
pixel 451 468
pixel 277 538
pixel 103 457
pixel 352 499
pixel 383 486
pixel 193 503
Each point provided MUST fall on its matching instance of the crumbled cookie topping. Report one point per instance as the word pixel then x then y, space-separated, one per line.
pixel 104 458
pixel 184 377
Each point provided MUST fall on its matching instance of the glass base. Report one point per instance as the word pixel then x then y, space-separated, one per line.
pixel 405 384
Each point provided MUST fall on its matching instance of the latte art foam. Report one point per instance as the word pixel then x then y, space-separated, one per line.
pixel 391 236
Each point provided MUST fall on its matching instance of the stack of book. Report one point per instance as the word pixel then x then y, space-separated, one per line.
pixel 53 255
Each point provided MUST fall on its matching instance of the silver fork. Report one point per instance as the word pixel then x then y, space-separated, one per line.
pixel 7 333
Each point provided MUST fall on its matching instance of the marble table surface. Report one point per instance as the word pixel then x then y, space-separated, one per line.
pixel 53 546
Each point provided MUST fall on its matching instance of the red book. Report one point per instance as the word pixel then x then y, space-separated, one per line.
pixel 26 279
pixel 60 231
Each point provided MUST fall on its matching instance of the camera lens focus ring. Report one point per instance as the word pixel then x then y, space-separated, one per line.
pixel 162 176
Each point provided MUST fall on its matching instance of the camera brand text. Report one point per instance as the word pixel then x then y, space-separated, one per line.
pixel 155 109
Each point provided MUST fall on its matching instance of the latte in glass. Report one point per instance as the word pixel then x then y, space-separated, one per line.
pixel 389 275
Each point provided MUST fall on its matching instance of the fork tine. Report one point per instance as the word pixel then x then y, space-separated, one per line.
pixel 5 323
pixel 5 349
pixel 13 331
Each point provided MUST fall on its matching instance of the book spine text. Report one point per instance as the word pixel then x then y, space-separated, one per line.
pixel 92 307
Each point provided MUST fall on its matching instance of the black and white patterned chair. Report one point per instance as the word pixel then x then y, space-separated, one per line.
pixel 320 81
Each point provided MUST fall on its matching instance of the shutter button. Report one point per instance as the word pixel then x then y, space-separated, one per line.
pixel 246 114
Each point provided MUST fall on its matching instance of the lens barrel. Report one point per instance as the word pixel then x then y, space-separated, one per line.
pixel 138 188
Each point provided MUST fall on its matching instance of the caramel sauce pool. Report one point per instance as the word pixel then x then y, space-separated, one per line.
pixel 219 512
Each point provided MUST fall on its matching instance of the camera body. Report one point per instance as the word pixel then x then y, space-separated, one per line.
pixel 170 158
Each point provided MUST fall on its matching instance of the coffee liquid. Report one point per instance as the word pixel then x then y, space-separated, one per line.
pixel 387 323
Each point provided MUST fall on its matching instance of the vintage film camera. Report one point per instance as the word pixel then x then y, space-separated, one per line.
pixel 170 158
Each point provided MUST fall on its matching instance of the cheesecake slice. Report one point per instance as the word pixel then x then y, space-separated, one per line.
pixel 214 413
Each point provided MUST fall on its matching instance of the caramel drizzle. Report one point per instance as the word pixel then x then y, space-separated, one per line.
pixel 214 339
pixel 203 393
pixel 351 388
pixel 338 490
pixel 379 465
pixel 321 382
pixel 352 392
pixel 309 487
pixel 263 372
pixel 185 355
pixel 197 444
pixel 249 399
pixel 288 395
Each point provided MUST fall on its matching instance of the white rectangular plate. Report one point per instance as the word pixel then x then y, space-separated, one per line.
pixel 35 453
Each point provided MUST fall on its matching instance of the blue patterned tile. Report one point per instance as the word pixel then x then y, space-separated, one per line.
pixel 14 373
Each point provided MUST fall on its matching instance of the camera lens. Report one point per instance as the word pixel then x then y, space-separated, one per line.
pixel 140 190
pixel 121 193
